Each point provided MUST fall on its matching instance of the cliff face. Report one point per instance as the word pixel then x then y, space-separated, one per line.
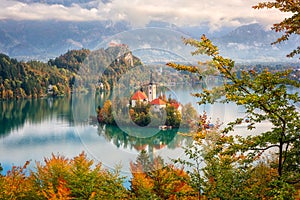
pixel 119 60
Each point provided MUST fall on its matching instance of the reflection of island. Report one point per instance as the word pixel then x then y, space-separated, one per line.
pixel 163 139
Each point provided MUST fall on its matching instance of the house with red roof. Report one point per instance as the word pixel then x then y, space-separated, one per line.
pixel 139 96
pixel 158 104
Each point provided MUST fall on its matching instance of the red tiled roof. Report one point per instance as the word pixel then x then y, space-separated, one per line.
pixel 139 96
pixel 158 102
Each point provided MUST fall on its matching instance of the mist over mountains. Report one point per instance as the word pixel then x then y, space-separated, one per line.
pixel 47 39
pixel 41 40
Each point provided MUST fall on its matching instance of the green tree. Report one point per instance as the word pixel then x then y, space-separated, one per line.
pixel 140 114
pixel 70 60
pixel 265 97
pixel 219 175
pixel 173 116
pixel 143 159
pixel 289 25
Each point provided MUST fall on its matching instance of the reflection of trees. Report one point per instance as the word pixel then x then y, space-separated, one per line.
pixel 168 138
pixel 83 107
pixel 14 114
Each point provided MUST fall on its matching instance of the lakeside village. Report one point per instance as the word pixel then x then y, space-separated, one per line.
pixel 145 108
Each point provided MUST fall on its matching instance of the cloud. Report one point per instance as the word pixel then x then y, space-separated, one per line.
pixel 216 13
pixel 37 11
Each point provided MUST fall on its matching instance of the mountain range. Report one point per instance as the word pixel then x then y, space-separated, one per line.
pixel 42 40
pixel 252 43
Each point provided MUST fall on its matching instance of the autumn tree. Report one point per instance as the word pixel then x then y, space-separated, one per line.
pixel 265 97
pixel 62 178
pixel 105 113
pixel 16 185
pixel 160 181
pixel 30 79
pixel 217 175
pixel 289 25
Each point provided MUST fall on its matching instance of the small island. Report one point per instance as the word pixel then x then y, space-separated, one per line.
pixel 145 108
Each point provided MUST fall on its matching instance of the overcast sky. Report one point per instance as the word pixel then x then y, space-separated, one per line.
pixel 216 13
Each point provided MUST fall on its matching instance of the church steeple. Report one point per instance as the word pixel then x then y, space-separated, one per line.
pixel 151 80
pixel 151 89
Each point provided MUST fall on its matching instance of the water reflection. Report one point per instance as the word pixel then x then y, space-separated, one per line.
pixel 163 139
pixel 14 114
pixel 34 129
pixel 110 144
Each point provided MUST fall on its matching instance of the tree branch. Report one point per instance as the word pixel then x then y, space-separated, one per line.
pixel 264 149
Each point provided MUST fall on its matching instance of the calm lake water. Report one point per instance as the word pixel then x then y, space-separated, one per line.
pixel 34 129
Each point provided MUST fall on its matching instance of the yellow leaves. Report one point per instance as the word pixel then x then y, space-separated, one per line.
pixel 62 179
pixel 62 193
pixel 81 161
pixel 200 135
pixel 93 195
pixel 204 38
pixel 105 114
pixel 141 183
pixel 179 67
pixel 173 182
pixel 160 182
pixel 282 5
pixel 241 101
pixel 264 5
pixel 204 46
pixel 14 184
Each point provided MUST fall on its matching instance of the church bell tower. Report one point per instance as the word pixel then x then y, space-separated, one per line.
pixel 151 89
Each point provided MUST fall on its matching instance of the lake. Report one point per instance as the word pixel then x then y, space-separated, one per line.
pixel 34 129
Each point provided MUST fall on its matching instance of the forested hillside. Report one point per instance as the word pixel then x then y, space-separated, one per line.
pixel 31 79
pixel 70 60
pixel 36 79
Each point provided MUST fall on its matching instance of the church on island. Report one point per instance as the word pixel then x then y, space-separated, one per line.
pixel 157 103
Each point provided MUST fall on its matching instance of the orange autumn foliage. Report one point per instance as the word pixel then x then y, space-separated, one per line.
pixel 60 178
pixel 162 182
